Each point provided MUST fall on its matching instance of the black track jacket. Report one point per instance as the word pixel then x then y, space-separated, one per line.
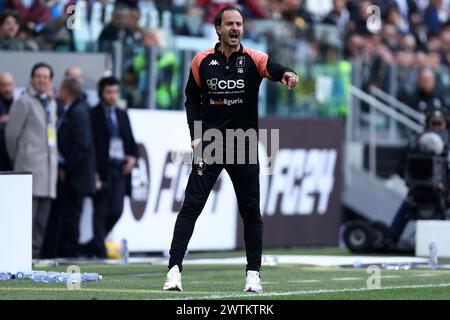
pixel 223 92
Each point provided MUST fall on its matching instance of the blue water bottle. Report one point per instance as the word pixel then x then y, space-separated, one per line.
pixel 5 275
pixel 90 277
pixel 39 276
pixel 24 275
pixel 433 252
pixel 124 251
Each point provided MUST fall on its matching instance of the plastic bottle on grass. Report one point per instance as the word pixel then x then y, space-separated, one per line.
pixel 433 253
pixel 124 254
pixel 39 276
pixel 89 277
pixel 53 277
pixel 5 276
pixel 23 275
pixel 71 277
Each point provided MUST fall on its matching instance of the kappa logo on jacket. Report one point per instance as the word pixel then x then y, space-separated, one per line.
pixel 214 63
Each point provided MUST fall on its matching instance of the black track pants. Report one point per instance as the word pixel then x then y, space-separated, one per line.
pixel 245 178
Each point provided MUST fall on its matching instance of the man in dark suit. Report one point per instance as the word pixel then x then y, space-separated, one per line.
pixel 6 100
pixel 116 155
pixel 76 171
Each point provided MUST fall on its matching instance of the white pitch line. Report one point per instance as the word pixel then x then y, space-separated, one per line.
pixel 347 279
pixel 215 282
pixel 307 292
pixel 231 281
pixel 426 275
pixel 304 281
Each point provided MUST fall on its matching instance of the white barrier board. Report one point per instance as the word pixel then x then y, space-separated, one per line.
pixel 437 230
pixel 15 222
pixel 158 186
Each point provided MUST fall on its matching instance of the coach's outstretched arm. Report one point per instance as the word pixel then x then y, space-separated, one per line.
pixel 272 70
pixel 288 77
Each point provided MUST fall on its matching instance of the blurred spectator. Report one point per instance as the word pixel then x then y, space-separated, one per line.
pixel 436 15
pixel 135 76
pixel 77 73
pixel 116 30
pixel 434 59
pixel 445 48
pixel 214 6
pixel 412 31
pixel 11 37
pixel 193 22
pixel 34 12
pixel 258 9
pixel 354 46
pixel 421 59
pixel 409 43
pixel 135 69
pixel 31 144
pixel 116 155
pixel 167 82
pixel 132 4
pixel 133 24
pixel 405 58
pixel 359 17
pixel 9 25
pixel 76 172
pixel 395 18
pixel 167 69
pixel 408 10
pixel 293 11
pixel 7 87
pixel 56 34
pixel 425 96
pixel 6 100
pixel 339 16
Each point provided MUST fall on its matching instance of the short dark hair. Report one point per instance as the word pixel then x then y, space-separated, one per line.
pixel 106 82
pixel 218 17
pixel 41 65
pixel 9 13
pixel 73 86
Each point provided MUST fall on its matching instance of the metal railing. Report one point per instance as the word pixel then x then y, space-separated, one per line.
pixel 397 104
pixel 353 130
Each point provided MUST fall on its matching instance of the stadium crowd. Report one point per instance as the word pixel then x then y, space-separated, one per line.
pixel 415 36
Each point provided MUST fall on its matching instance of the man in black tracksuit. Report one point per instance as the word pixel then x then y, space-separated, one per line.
pixel 222 94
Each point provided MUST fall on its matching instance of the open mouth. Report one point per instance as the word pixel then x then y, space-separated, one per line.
pixel 234 36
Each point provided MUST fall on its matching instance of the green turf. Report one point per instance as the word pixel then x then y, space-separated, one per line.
pixel 226 282
pixel 274 251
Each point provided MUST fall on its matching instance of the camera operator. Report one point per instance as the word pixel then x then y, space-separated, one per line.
pixel 434 141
